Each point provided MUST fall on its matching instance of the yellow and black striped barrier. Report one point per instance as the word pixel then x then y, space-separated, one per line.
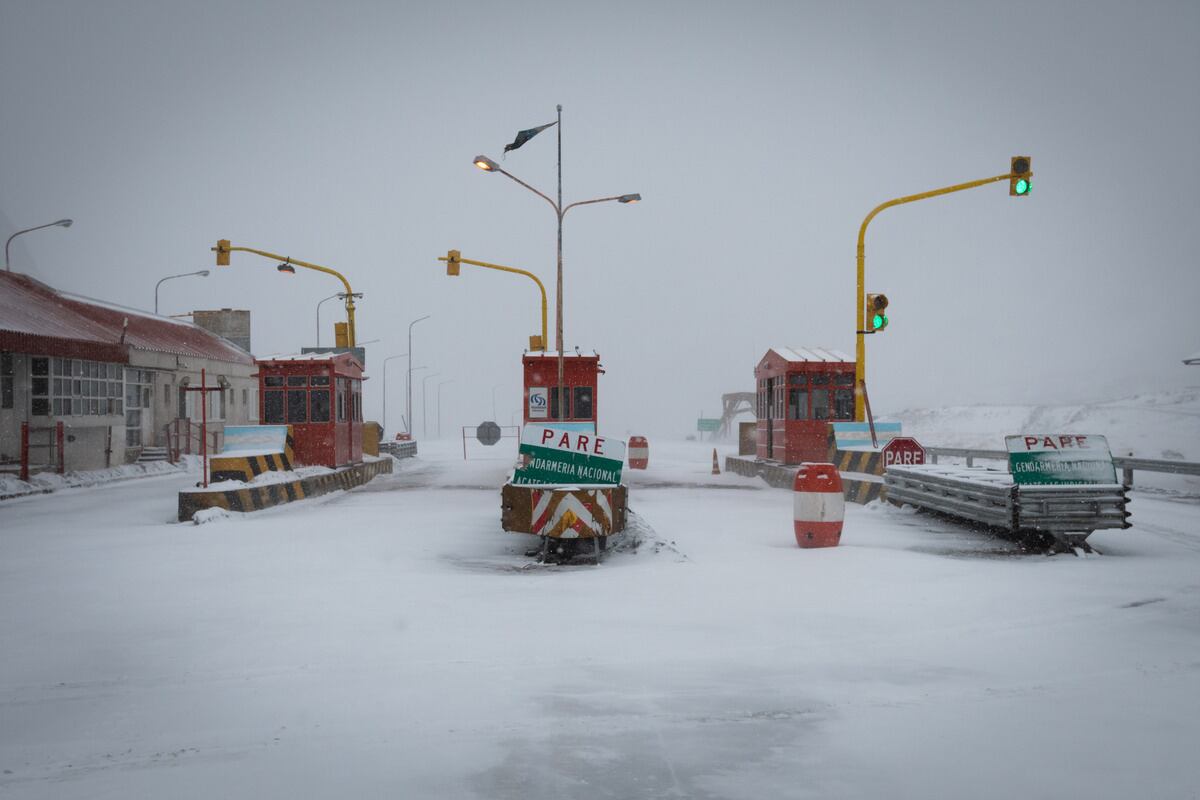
pixel 234 467
pixel 256 498
pixel 858 486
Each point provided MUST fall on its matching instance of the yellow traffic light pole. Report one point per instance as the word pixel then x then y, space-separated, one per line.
pixel 452 258
pixel 860 352
pixel 223 249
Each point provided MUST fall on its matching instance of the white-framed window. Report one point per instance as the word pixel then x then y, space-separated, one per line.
pixel 78 387
pixel 139 393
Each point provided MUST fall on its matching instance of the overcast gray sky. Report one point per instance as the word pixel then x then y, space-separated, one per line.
pixel 759 134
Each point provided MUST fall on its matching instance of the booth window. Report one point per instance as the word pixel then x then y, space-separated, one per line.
pixel 297 405
pixel 843 378
pixel 843 404
pixel 319 380
pixel 820 402
pixel 273 380
pixel 319 405
pixel 820 379
pixel 554 404
pixel 273 407
pixel 583 402
pixel 798 404
pixel 297 380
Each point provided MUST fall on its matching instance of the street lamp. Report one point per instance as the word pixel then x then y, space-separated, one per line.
pixel 439 406
pixel 203 273
pixel 338 296
pixel 408 422
pixel 488 165
pixel 62 223
pixel 425 405
pixel 389 358
pixel 408 383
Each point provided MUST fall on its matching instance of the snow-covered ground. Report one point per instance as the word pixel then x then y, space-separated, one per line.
pixel 392 641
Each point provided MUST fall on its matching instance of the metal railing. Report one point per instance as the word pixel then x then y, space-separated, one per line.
pixel 183 437
pixel 1127 464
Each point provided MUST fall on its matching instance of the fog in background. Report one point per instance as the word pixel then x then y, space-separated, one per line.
pixel 759 134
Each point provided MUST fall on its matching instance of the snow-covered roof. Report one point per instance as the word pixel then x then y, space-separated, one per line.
pixel 31 310
pixel 796 354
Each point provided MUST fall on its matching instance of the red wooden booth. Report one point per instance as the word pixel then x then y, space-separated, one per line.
pixel 580 379
pixel 800 391
pixel 320 396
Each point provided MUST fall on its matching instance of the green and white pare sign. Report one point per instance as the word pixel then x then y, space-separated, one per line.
pixel 568 457
pixel 1060 459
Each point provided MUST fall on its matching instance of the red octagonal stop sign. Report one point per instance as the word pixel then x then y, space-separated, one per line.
pixel 903 450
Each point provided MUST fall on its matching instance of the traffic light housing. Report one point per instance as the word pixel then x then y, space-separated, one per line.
pixel 453 262
pixel 222 251
pixel 877 312
pixel 1019 176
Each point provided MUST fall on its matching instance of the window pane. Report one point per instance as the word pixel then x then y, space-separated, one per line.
pixel 554 404
pixel 319 400
pixel 6 392
pixel 820 404
pixel 821 379
pixel 843 404
pixel 297 405
pixel 797 380
pixel 77 368
pixel 844 379
pixel 6 364
pixel 273 380
pixel 297 380
pixel 319 380
pixel 798 404
pixel 41 386
pixel 273 407
pixel 93 406
pixel 583 402
pixel 41 406
pixel 76 407
pixel 39 366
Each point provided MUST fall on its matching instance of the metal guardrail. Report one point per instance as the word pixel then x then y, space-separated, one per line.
pixel 991 497
pixel 406 449
pixel 1127 464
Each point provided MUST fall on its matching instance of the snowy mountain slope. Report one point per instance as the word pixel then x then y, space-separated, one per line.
pixel 1161 425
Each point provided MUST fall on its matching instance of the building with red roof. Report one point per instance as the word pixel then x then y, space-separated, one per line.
pixel 114 376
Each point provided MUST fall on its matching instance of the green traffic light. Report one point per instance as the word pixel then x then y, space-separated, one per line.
pixel 1022 186
pixel 878 321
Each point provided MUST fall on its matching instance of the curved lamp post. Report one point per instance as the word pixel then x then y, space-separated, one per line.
pixel 488 165
pixel 340 296
pixel 62 223
pixel 408 383
pixel 203 273
pixel 389 358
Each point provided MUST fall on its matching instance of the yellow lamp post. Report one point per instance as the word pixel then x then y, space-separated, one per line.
pixel 1018 176
pixel 346 339
pixel 453 259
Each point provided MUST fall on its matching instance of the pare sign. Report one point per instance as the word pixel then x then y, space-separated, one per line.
pixel 1050 459
pixel 568 457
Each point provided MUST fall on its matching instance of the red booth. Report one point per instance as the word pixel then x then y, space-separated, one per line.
pixel 580 379
pixel 800 391
pixel 320 396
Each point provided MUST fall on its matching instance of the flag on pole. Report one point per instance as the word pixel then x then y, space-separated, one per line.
pixel 525 136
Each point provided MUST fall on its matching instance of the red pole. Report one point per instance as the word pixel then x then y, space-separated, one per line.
pixel 204 425
pixel 62 460
pixel 25 451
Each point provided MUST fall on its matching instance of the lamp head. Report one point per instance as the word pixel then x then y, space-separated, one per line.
pixel 486 164
pixel 202 273
pixel 66 223
pixel 288 268
pixel 629 198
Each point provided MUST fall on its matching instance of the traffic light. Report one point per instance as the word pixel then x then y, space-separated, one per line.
pixel 877 312
pixel 453 262
pixel 1018 179
pixel 222 251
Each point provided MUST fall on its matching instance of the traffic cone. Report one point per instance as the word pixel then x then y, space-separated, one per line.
pixel 716 469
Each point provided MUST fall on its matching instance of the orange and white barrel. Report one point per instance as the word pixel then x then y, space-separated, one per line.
pixel 639 452
pixel 819 506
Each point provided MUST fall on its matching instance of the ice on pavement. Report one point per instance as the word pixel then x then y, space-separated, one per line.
pixel 393 641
